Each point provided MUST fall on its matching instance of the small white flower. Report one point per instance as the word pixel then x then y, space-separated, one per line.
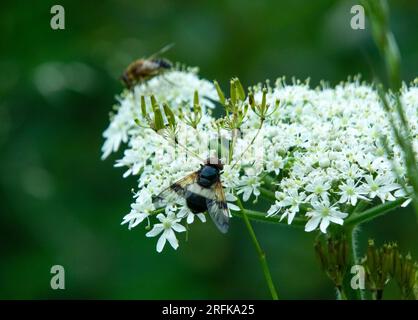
pixel 293 200
pixel 140 210
pixel 115 135
pixel 230 176
pixel 275 164
pixel 318 187
pixel 274 209
pixel 134 160
pixel 349 170
pixel 351 193
pixel 278 204
pixel 324 161
pixel 249 185
pixel 323 214
pixel 168 225
pixel 381 187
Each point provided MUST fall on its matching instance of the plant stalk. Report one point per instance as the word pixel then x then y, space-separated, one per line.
pixel 374 212
pixel 354 258
pixel 260 252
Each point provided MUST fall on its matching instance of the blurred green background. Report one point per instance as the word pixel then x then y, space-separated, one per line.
pixel 60 204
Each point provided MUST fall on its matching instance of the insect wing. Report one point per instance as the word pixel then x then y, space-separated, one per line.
pixel 161 51
pixel 218 208
pixel 178 188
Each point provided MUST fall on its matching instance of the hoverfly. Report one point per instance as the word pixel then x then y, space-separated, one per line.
pixel 203 192
pixel 144 69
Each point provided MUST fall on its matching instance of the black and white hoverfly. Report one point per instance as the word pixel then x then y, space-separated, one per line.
pixel 202 191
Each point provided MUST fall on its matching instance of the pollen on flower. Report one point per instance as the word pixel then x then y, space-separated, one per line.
pixel 325 212
pixel 167 223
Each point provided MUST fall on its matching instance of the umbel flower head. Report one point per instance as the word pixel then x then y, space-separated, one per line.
pixel 318 151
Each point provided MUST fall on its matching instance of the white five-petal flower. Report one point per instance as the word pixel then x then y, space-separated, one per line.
pixel 322 214
pixel 140 210
pixel 168 224
pixel 350 192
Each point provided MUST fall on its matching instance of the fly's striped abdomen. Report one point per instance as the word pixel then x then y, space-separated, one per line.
pixel 196 203
pixel 197 196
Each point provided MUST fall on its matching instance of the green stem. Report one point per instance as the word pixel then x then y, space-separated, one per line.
pixel 249 145
pixel 361 205
pixel 378 12
pixel 352 243
pixel 157 211
pixel 374 212
pixel 232 146
pixel 267 194
pixel 261 216
pixel 341 294
pixel 260 252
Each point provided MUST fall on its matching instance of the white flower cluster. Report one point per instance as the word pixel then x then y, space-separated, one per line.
pixel 176 88
pixel 328 144
pixel 320 149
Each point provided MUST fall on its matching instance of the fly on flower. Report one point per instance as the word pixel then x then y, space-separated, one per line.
pixel 203 192
pixel 144 69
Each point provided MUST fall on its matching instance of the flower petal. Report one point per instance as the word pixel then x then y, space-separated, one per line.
pixel 324 225
pixel 233 207
pixel 161 243
pixel 171 237
pixel 336 220
pixel 202 217
pixel 190 218
pixel 247 194
pixel 178 227
pixel 156 230
pixel 312 224
pixel 291 216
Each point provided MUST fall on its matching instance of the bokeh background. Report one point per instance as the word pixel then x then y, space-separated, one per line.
pixel 60 204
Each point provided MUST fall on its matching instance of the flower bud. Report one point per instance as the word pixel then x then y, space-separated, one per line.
pixel 333 257
pixel 158 116
pixel 171 119
pixel 220 92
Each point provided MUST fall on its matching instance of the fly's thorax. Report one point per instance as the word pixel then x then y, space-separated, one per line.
pixel 208 175
pixel 163 63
